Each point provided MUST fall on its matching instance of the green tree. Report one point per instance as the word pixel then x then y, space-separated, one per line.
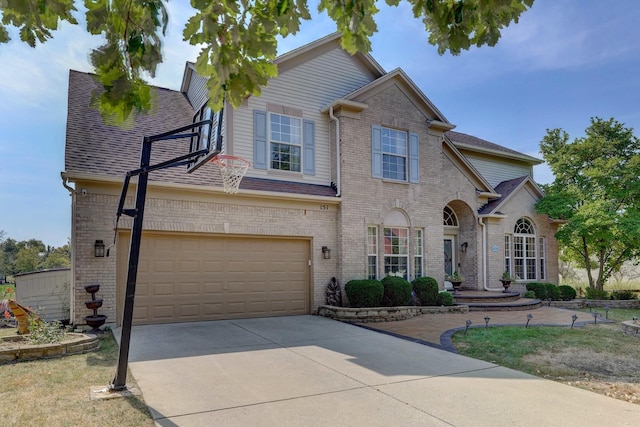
pixel 57 258
pixel 597 192
pixel 238 37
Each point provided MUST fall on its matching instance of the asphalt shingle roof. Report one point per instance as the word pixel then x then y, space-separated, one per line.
pixel 463 138
pixel 505 188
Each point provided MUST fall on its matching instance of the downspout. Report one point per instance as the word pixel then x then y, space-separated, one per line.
pixel 337 121
pixel 484 258
pixel 72 285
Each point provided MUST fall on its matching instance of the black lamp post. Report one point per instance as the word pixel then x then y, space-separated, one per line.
pixel 137 213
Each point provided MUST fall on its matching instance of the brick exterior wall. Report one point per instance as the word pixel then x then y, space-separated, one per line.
pixel 213 214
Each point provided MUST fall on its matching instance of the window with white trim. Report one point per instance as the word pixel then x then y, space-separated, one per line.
pixel 394 154
pixel 372 252
pixel 527 258
pixel 396 252
pixel 418 254
pixel 507 253
pixel 285 141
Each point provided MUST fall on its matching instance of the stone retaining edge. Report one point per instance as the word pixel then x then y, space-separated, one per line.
pixel 384 314
pixel 23 352
pixel 586 303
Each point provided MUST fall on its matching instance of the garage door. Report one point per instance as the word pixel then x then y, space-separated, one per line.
pixel 185 278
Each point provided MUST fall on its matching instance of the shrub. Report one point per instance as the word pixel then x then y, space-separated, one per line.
pixel 530 294
pixel 623 295
pixel 426 289
pixel 41 332
pixel 592 293
pixel 397 291
pixel 567 292
pixel 364 293
pixel 539 289
pixel 553 292
pixel 445 298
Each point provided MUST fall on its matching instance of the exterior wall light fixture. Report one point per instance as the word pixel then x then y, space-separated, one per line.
pixel 326 252
pixel 99 248
pixel 464 246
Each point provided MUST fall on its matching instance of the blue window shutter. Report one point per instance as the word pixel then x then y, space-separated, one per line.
pixel 260 139
pixel 414 158
pixel 376 151
pixel 309 143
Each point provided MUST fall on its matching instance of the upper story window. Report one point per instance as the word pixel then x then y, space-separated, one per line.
pixel 394 154
pixel 285 142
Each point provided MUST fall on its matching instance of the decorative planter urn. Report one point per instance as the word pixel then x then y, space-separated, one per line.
pixel 456 286
pixel 506 284
pixel 96 320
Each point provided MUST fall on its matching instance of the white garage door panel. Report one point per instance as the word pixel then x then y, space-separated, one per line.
pixel 185 278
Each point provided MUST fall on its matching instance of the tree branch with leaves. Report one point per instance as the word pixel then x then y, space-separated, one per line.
pixel 238 37
pixel 596 190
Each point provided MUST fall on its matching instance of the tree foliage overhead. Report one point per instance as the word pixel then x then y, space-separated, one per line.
pixel 238 37
pixel 597 192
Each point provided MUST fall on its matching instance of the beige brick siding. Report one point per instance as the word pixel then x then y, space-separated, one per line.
pixel 214 213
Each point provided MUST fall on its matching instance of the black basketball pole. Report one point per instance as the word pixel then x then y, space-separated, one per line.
pixel 120 379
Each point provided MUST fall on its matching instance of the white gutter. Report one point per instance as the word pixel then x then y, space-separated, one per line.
pixel 484 258
pixel 337 121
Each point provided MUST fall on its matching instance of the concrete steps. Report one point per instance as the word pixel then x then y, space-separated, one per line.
pixel 495 301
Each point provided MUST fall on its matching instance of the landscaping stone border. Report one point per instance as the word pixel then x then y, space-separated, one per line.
pixel 631 327
pixel 384 314
pixel 586 303
pixel 23 351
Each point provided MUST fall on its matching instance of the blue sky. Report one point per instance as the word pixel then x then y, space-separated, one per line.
pixel 566 61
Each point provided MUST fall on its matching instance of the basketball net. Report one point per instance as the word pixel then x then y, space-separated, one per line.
pixel 232 169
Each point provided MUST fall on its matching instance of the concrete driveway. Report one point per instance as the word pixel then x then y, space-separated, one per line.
pixel 312 371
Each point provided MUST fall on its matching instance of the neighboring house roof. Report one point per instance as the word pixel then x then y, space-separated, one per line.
pixel 468 142
pixel 507 189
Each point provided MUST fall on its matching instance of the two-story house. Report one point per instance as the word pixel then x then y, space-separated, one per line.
pixel 354 174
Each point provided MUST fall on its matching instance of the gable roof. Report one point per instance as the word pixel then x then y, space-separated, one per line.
pixel 399 76
pixel 507 189
pixel 317 47
pixel 464 141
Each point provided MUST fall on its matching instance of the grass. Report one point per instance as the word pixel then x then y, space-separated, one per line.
pixel 595 357
pixel 56 391
pixel 7 291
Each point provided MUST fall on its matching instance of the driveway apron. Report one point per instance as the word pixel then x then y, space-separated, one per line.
pixel 312 371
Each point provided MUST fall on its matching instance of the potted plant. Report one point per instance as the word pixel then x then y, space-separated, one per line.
pixel 506 280
pixel 456 280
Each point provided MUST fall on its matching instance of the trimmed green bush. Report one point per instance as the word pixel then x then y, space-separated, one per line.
pixel 530 294
pixel 445 298
pixel 553 293
pixel 622 295
pixel 567 292
pixel 397 291
pixel 591 293
pixel 426 289
pixel 539 289
pixel 364 293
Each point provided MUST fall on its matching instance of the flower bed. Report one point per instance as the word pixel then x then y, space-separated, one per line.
pixel 586 303
pixel 19 349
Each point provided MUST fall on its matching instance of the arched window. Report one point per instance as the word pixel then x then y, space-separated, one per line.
pixel 528 252
pixel 449 217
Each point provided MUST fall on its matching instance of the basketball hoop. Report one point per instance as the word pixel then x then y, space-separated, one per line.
pixel 232 169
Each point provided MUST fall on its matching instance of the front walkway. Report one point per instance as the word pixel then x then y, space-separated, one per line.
pixel 436 329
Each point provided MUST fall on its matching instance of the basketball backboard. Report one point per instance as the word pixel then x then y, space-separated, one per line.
pixel 208 138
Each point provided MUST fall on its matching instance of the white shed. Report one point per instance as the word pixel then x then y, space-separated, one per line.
pixel 47 291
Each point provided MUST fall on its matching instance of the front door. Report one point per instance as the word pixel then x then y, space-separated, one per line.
pixel 449 255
